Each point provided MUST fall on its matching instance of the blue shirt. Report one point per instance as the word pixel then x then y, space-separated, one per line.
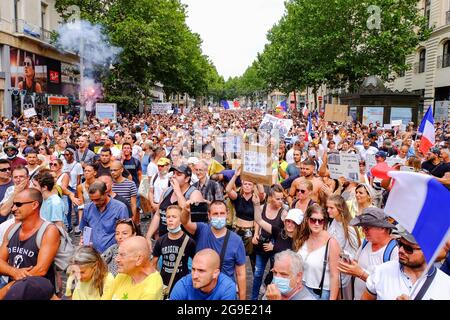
pixel 52 209
pixel 292 170
pixel 225 289
pixel 103 224
pixel 235 253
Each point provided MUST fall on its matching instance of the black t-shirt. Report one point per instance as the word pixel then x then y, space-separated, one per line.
pixel 102 171
pixel 133 166
pixel 428 165
pixel 440 170
pixel 282 240
pixel 94 144
pixel 168 250
pixel 244 208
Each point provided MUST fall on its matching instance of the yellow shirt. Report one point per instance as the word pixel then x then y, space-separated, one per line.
pixel 85 291
pixel 122 288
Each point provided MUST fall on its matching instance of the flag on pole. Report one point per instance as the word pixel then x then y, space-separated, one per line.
pixel 308 128
pixel 305 111
pixel 229 105
pixel 417 202
pixel 427 129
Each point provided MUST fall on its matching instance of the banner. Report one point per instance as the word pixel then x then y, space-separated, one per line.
pixel 270 124
pixel 344 165
pixel 257 164
pixel 106 111
pixel 336 112
pixel 161 108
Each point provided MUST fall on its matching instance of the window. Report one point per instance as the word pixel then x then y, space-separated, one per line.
pixel 422 54
pixel 446 54
pixel 427 10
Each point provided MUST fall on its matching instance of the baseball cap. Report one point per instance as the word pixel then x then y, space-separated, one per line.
pixel 381 154
pixel 163 162
pixel 10 147
pixel 403 233
pixel 295 215
pixel 183 169
pixel 372 217
pixel 30 288
pixel 435 150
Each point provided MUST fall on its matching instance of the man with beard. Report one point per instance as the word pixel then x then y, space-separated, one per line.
pixel 394 280
pixel 206 282
pixel 124 188
pixel 307 172
pixel 11 154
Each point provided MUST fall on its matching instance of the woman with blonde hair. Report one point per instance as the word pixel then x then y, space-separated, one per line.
pixel 346 235
pixel 320 254
pixel 363 199
pixel 303 198
pixel 88 274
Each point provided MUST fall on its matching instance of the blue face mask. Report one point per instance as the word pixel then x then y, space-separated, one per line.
pixel 174 230
pixel 218 223
pixel 282 284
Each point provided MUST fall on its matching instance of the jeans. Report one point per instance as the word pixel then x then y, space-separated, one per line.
pixel 69 211
pixel 325 293
pixel 260 266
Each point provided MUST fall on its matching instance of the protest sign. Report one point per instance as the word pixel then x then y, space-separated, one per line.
pixel 30 112
pixel 344 165
pixel 106 111
pixel 257 164
pixel 161 108
pixel 371 162
pixel 233 144
pixel 272 124
pixel 336 112
pixel 396 123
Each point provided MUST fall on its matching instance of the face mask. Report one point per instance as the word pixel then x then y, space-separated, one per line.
pixel 282 284
pixel 312 153
pixel 218 223
pixel 174 230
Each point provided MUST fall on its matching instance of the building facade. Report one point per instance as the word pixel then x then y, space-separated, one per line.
pixel 33 72
pixel 430 63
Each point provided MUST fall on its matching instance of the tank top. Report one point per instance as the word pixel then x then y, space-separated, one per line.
pixel 165 203
pixel 24 253
pixel 313 267
pixel 86 198
pixel 60 178
pixel 244 208
pixel 277 222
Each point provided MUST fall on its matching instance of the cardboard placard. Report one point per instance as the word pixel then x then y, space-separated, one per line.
pixel 257 164
pixel 30 112
pixel 344 165
pixel 336 112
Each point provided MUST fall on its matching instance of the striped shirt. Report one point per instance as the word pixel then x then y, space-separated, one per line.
pixel 125 189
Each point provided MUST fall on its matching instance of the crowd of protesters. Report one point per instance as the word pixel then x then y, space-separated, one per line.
pixel 321 238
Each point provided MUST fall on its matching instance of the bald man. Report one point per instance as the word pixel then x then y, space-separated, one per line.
pixel 137 278
pixel 206 282
pixel 125 188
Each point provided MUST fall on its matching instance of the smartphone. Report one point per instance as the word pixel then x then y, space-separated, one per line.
pixel 199 212
pixel 87 235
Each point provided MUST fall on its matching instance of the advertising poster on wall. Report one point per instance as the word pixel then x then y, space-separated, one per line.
pixel 372 115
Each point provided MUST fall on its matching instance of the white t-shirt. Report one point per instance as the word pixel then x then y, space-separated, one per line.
pixel 388 281
pixel 368 260
pixel 74 169
pixel 152 169
pixel 364 152
pixel 159 187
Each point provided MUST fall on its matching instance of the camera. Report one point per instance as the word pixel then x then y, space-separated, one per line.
pixel 199 212
pixel 263 239
pixel 345 257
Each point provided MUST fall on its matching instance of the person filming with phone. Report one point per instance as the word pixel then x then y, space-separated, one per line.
pixel 178 193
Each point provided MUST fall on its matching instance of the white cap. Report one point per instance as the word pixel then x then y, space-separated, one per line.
pixel 193 160
pixel 295 215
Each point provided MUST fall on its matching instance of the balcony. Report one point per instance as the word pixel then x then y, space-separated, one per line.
pixel 443 61
pixel 22 27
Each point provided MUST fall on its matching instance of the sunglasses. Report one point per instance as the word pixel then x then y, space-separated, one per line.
pixel 27 64
pixel 316 221
pixel 301 190
pixel 19 204
pixel 5 169
pixel 408 249
pixel 53 164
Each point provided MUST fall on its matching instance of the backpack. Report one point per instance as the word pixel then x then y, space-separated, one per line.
pixel 65 250
pixel 387 251
pixel 186 195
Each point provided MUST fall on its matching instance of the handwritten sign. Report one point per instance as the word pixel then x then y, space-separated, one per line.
pixel 30 112
pixel 257 164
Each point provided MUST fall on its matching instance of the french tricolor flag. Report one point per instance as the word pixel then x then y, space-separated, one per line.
pixel 305 111
pixel 228 104
pixel 308 128
pixel 427 129
pixel 417 202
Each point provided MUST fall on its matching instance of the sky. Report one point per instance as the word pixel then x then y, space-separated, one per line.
pixel 233 31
